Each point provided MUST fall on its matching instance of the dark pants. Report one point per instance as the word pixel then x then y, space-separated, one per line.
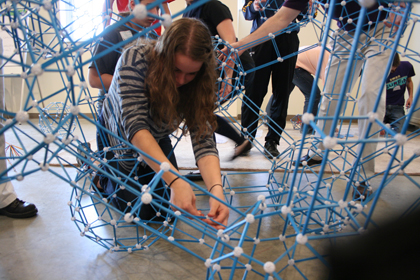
pixel 144 173
pixel 223 125
pixel 282 76
pixel 394 116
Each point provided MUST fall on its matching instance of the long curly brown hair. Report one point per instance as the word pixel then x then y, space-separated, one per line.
pixel 193 102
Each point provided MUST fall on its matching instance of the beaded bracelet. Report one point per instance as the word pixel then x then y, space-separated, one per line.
pixel 214 186
pixel 170 184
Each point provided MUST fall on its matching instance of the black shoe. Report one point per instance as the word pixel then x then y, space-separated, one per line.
pixel 361 192
pixel 19 209
pixel 194 176
pixel 310 161
pixel 242 150
pixel 271 149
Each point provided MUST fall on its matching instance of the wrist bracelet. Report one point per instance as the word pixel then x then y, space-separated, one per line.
pixel 170 184
pixel 214 186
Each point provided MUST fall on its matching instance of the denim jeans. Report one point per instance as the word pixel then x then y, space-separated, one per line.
pixel 394 116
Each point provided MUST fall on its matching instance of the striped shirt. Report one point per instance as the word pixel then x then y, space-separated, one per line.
pixel 126 108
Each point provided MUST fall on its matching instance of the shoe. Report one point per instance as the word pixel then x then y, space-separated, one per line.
pixel 19 209
pixel 309 161
pixel 362 192
pixel 194 176
pixel 271 149
pixel 242 150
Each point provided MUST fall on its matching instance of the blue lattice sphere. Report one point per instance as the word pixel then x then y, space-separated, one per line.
pixel 55 119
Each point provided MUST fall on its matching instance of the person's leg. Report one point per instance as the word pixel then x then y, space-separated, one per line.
pixel 146 174
pixel 226 129
pixel 282 77
pixel 394 114
pixel 374 70
pixel 254 95
pixel 10 205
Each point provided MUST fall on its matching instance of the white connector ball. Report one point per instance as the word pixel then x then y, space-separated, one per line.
pixel 261 197
pixel 367 3
pixel 269 267
pixel 400 139
pixel 207 263
pixel 291 262
pixel 285 210
pixel 47 5
pixel 216 267
pixel 165 166
pixel 329 142
pixel 342 204
pixel 36 69
pixel 250 218
pixel 22 116
pixel 307 118
pixel 49 138
pixel 146 198
pixel 75 110
pixel 167 20
pixel 237 252
pixel 248 267
pixel 70 70
pixel 128 218
pixel 140 11
pixel 301 239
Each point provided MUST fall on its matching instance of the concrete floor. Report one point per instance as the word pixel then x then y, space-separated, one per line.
pixel 49 246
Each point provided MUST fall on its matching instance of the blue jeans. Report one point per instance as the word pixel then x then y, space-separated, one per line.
pixel 394 116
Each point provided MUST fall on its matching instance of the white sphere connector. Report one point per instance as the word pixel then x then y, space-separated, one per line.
pixel 343 3
pixel 207 263
pixel 269 267
pixel 261 197
pixel 75 110
pixel 47 5
pixel 44 166
pixel 372 116
pixel 201 241
pixel 307 118
pixel 367 3
pixel 301 239
pixel 167 20
pixel 282 238
pixel 70 71
pixel 237 252
pixel 291 262
pixel 329 142
pixel 165 166
pixel 285 210
pixel 359 208
pixel 171 238
pixel 349 21
pixel 216 267
pixel 49 138
pixel 22 116
pixel 36 69
pixel 250 218
pixel 342 204
pixel 146 198
pixel 400 139
pixel 128 218
pixel 271 35
pixel 248 267
pixel 140 11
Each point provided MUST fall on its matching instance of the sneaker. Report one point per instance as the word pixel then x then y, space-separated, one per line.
pixel 242 150
pixel 19 209
pixel 271 149
pixel 309 161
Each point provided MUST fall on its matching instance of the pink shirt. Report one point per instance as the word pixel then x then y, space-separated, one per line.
pixel 309 61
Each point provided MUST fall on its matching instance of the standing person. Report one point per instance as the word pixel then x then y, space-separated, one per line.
pixel 156 86
pixel 306 66
pixel 124 8
pixel 218 19
pixel 10 205
pixel 102 69
pixel 281 75
pixel 375 65
pixel 398 80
